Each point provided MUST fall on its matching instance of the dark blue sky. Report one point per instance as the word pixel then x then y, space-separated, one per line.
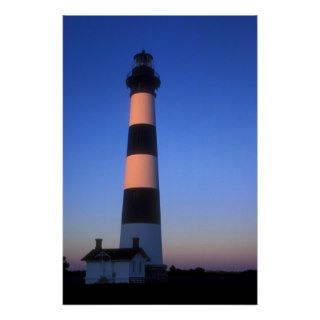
pixel 206 111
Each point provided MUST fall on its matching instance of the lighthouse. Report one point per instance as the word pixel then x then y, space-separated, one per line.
pixel 141 219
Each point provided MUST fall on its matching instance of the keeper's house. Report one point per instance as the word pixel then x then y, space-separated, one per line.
pixel 115 265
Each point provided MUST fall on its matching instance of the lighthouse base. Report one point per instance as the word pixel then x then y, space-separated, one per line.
pixel 156 273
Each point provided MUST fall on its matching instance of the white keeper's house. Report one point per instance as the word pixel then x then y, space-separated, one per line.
pixel 116 265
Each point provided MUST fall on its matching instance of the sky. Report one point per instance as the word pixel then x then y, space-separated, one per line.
pixel 206 113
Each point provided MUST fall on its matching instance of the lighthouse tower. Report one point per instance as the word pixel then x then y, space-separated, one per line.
pixel 141 224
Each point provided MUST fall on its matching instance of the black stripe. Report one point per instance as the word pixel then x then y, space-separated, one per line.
pixel 142 139
pixel 141 205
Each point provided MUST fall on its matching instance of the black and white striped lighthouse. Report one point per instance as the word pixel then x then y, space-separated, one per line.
pixel 141 201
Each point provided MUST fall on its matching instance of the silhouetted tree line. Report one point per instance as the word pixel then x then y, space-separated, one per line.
pixel 65 265
pixel 72 276
pixel 199 272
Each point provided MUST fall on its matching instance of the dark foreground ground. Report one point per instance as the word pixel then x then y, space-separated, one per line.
pixel 206 288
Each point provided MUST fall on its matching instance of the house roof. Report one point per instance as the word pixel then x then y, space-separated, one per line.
pixel 114 254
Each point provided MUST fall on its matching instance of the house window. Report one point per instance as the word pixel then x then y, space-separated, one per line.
pixel 133 265
pixel 140 266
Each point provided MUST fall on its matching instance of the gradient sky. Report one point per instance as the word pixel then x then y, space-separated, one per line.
pixel 206 111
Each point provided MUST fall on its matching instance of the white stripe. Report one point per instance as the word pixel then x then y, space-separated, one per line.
pixel 141 171
pixel 149 235
pixel 142 109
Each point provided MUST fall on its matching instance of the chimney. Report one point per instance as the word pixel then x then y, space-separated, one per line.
pixel 135 242
pixel 98 244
